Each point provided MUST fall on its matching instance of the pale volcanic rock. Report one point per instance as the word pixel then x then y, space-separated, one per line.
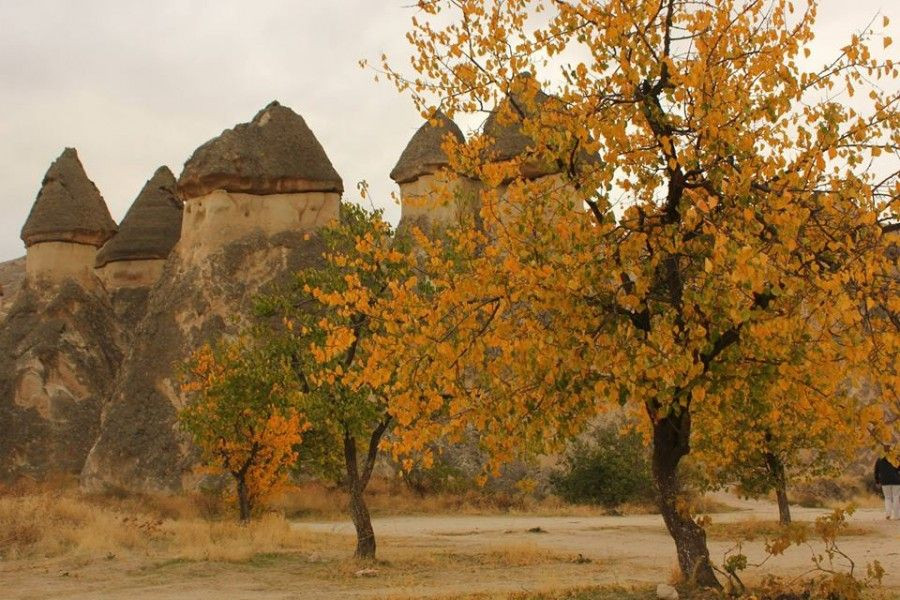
pixel 59 355
pixel 254 197
pixel 151 227
pixel 505 128
pixel 430 193
pixel 424 153
pixel 67 223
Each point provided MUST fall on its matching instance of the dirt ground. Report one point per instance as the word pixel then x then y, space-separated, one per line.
pixel 442 556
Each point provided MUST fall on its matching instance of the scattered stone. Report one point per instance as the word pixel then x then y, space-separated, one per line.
pixel 581 560
pixel 537 530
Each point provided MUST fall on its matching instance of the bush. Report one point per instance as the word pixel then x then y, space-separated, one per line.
pixel 606 467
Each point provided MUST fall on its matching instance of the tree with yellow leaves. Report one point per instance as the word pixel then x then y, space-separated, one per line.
pixel 323 325
pixel 242 415
pixel 764 439
pixel 691 203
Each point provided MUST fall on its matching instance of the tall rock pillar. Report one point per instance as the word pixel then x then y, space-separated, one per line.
pixel 59 344
pixel 68 222
pixel 253 199
pixel 430 194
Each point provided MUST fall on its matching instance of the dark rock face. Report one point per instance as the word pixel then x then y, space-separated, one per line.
pixel 69 207
pixel 12 275
pixel 139 446
pixel 275 153
pixel 151 226
pixel 59 354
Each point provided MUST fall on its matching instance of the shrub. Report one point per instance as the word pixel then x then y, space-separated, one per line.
pixel 606 467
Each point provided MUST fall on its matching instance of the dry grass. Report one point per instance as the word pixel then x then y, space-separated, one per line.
pixel 707 505
pixel 386 497
pixel 582 593
pixel 44 525
pixel 832 493
pixel 756 529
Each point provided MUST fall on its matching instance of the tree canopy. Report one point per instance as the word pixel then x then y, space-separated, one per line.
pixel 694 209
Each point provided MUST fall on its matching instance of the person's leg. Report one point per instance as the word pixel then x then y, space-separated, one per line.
pixel 896 504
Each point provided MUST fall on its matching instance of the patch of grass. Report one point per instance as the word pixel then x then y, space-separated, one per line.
pixel 387 497
pixel 833 492
pixel 581 593
pixel 753 529
pixel 68 523
pixel 707 505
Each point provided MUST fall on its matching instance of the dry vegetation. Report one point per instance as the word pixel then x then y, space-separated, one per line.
pixel 387 497
pixel 55 539
pixel 755 529
pixel 56 519
pixel 53 524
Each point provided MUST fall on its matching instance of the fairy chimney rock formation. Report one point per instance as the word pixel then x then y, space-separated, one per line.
pixel 429 191
pixel 68 222
pixel 135 256
pixel 253 198
pixel 269 175
pixel 59 343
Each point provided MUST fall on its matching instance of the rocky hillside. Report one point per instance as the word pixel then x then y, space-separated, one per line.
pixel 12 274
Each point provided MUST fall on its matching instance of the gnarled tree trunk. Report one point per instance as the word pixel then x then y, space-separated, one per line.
pixel 244 504
pixel 670 444
pixel 776 471
pixel 356 486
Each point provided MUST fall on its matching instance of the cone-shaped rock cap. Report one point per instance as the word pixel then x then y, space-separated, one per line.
pixel 423 153
pixel 69 207
pixel 504 124
pixel 275 153
pixel 151 226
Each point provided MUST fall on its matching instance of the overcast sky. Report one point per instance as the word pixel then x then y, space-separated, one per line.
pixel 136 84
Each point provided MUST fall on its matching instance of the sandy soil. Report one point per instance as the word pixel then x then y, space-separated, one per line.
pixel 438 556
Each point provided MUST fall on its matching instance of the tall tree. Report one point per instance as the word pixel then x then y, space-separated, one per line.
pixel 716 207
pixel 322 325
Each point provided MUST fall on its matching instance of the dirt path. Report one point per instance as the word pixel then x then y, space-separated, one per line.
pixel 637 549
pixel 435 556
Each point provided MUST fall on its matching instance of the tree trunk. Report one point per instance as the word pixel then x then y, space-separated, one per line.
pixel 356 485
pixel 776 470
pixel 243 499
pixel 365 535
pixel 670 444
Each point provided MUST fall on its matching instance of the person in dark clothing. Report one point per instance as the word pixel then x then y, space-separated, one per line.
pixel 887 476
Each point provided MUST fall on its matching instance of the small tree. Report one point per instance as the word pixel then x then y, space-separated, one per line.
pixel 766 437
pixel 322 325
pixel 242 415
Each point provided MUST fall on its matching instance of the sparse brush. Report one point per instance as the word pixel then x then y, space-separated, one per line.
pixel 68 523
